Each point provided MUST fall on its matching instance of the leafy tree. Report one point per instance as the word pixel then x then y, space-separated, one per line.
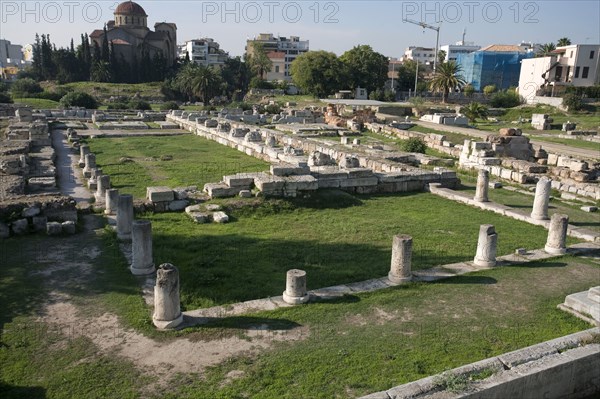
pixel 25 87
pixel 259 62
pixel 505 99
pixel 405 75
pixel 546 49
pixel 563 41
pixel 100 71
pixel 366 68
pixel 414 144
pixel 5 98
pixel 573 102
pixel 446 78
pixel 475 110
pixel 319 73
pixel 489 90
pixel 169 105
pixel 418 105
pixel 79 99
pixel 441 55
pixel 140 105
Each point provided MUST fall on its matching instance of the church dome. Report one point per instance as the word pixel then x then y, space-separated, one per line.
pixel 130 8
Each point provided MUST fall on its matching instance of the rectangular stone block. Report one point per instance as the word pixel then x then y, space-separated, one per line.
pixel 329 183
pixel 160 194
pixel 241 180
pixel 289 170
pixel 220 190
pixel 354 173
pixel 360 181
pixel 268 183
pixel 301 183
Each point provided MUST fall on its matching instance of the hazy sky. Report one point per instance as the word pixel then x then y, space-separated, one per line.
pixel 329 25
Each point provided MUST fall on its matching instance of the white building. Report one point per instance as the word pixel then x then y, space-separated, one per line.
pixel 10 54
pixel 575 65
pixel 204 51
pixel 453 50
pixel 274 46
pixel 423 55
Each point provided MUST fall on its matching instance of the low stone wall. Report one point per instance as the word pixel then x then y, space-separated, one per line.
pixel 567 367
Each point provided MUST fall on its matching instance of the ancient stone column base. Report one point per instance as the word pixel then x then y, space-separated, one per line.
pixel 397 280
pixel 539 217
pixel 168 324
pixel 484 263
pixel 124 237
pixel 480 199
pixel 555 251
pixel 109 212
pixel 142 272
pixel 295 300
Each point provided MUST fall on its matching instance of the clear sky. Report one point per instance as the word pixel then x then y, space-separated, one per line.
pixel 329 25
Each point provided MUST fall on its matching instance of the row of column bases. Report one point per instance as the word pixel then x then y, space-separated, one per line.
pixel 540 202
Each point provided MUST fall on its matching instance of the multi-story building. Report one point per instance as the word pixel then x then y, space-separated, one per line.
pixel 424 55
pixel 204 51
pixel 576 65
pixel 274 47
pixel 453 50
pixel 11 59
pixel 498 65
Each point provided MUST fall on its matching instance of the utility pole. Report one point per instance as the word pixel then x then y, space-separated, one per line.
pixel 437 40
pixel 416 76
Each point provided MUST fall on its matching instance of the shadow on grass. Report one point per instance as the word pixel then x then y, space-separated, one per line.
pixel 240 322
pixel 519 206
pixel 540 264
pixel 468 280
pixel 11 391
pixel 585 224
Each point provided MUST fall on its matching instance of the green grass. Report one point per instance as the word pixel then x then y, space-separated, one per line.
pixel 337 238
pixel 106 90
pixel 577 217
pixel 370 342
pixel 196 161
pixel 588 145
pixel 456 138
pixel 37 102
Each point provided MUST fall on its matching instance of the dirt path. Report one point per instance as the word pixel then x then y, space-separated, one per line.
pixel 69 179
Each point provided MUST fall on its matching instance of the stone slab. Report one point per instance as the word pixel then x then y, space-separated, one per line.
pixel 160 194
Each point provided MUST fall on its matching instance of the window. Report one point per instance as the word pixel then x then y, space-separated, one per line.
pixel 586 71
pixel 126 20
pixel 571 55
pixel 577 72
pixel 591 54
pixel 276 68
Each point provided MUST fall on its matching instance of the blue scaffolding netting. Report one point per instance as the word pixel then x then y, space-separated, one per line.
pixel 484 68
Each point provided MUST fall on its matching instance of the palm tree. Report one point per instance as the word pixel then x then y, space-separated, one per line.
pixel 475 110
pixel 259 61
pixel 446 79
pixel 205 83
pixel 100 72
pixel 185 79
pixel 563 41
pixel 546 49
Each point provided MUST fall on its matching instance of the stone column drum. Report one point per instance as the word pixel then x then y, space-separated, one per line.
pixel 124 217
pixel 483 180
pixel 141 235
pixel 103 185
pixel 486 246
pixel 295 287
pixel 557 235
pixel 90 163
pixel 167 308
pixel 400 269
pixel 83 151
pixel 542 197
pixel 112 201
pixel 94 176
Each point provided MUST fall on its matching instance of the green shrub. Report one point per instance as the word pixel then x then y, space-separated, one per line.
pixel 5 98
pixel 469 90
pixel 25 87
pixel 117 106
pixel 140 105
pixel 505 99
pixel 258 83
pixel 573 102
pixel 169 105
pixel 489 89
pixel 3 87
pixel 78 99
pixel 273 109
pixel 414 144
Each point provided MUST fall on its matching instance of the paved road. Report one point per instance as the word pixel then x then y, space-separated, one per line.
pixel 69 179
pixel 550 147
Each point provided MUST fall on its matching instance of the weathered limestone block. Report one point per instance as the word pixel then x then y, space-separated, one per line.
pixel 112 201
pixel 267 183
pixel 239 180
pixel 301 183
pixel 142 260
pixel 177 205
pixel 160 194
pixel 20 226
pixel 557 235
pixel 220 190
pixel 30 212
pixel 285 169
pixel 53 228
pixel 69 227
pixel 4 230
pixel 295 287
pixel 317 158
pixel 167 306
pixel 400 269
pixel 245 194
pixel 542 197
pixel 102 186
pixel 486 246
pixel 253 137
pixel 124 217
pixel 39 223
pixel 90 163
pixel 220 217
pixel 481 191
